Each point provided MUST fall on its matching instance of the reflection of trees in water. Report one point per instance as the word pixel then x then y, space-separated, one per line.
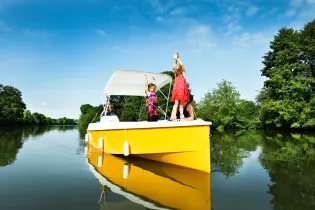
pixel 229 149
pixel 12 139
pixel 290 161
pixel 82 131
pixel 288 158
pixel 10 143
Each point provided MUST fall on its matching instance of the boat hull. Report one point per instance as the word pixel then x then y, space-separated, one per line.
pixel 155 186
pixel 183 145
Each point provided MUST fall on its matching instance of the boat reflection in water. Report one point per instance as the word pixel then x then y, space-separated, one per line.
pixel 144 184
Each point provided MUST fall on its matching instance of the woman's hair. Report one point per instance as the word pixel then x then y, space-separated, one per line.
pixel 110 104
pixel 191 98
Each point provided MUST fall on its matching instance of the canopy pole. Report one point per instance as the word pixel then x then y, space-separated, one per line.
pixel 162 94
pixel 107 105
pixel 168 98
pixel 156 107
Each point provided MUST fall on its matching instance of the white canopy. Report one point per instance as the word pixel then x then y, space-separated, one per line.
pixel 132 83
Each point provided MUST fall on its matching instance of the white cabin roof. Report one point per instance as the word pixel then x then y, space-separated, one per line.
pixel 132 82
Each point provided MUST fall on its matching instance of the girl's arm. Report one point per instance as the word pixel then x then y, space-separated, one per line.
pixel 174 66
pixel 175 60
pixel 183 67
pixel 154 81
pixel 146 84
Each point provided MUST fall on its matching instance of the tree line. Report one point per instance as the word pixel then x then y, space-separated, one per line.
pixel 286 101
pixel 13 111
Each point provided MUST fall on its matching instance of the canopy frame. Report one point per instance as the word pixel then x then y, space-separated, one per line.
pixel 108 88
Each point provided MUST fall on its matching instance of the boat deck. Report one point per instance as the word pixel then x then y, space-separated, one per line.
pixel 113 125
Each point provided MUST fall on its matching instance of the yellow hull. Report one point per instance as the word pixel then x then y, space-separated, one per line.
pixel 152 184
pixel 186 146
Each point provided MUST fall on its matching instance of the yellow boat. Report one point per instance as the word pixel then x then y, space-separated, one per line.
pixel 182 143
pixel 148 184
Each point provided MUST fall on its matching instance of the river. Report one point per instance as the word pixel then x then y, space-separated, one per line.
pixel 51 168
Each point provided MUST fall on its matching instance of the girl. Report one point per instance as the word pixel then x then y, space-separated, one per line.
pixel 151 100
pixel 180 94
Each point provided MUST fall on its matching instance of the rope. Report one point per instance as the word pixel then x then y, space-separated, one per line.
pixel 140 113
pixel 158 108
pixel 95 115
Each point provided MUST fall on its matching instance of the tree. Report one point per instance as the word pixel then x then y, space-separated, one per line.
pixel 287 99
pixel 220 105
pixel 248 115
pixel 88 114
pixel 134 109
pixel 28 119
pixel 11 105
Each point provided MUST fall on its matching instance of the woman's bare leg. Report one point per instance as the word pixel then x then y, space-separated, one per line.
pixel 175 107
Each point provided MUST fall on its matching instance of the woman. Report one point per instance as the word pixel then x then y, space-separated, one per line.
pixel 109 111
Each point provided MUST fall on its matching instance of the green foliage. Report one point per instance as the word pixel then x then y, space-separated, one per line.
pixel 13 111
pixel 40 119
pixel 11 105
pixel 133 109
pixel 224 108
pixel 287 99
pixel 88 114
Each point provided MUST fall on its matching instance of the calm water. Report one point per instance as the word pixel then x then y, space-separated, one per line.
pixel 50 168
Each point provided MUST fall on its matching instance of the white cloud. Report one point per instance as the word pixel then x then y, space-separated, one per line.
pixel 179 11
pixel 308 13
pixel 305 15
pixel 269 12
pixel 290 12
pixel 159 19
pixel 233 9
pixel 233 14
pixel 161 6
pixel 296 3
pixel 199 37
pixel 252 10
pixel 297 24
pixel 243 40
pixel 247 39
pixel 41 34
pixel 101 32
pixel 43 104
pixel 233 26
pixel 4 27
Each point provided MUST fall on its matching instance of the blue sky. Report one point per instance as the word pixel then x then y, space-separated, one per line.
pixel 61 54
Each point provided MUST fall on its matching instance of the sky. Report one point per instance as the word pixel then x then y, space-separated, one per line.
pixel 60 54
